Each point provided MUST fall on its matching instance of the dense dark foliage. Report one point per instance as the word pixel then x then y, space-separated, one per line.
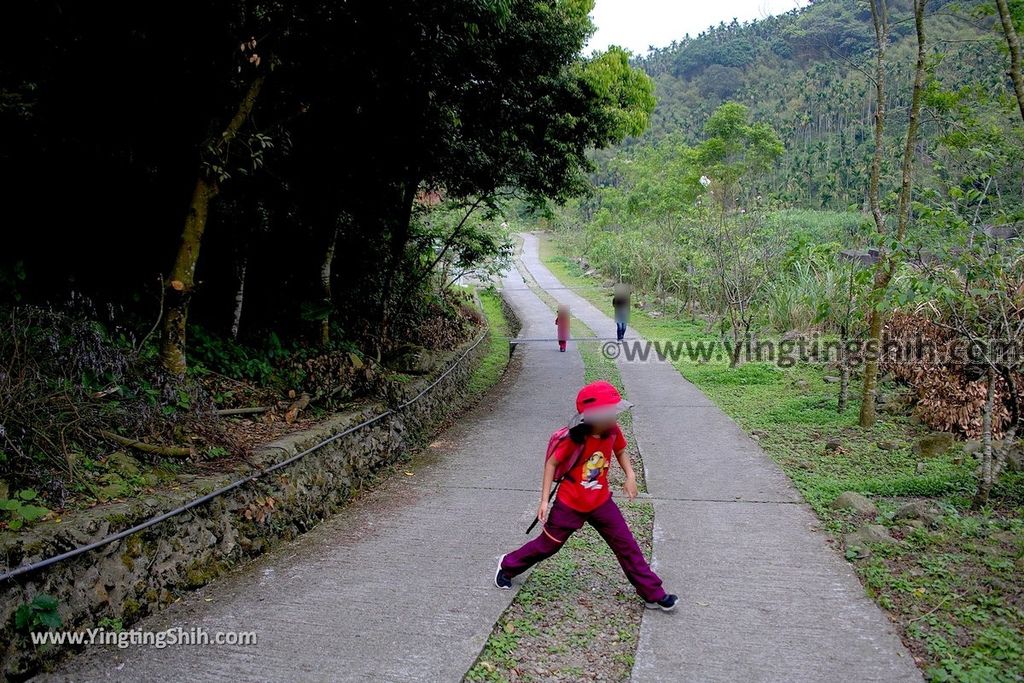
pixel 108 114
pixel 185 175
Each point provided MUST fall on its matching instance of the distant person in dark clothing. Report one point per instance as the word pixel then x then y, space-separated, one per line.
pixel 620 302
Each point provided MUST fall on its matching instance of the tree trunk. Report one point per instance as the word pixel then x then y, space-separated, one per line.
pixel 325 285
pixel 1013 43
pixel 885 267
pixel 398 239
pixel 182 278
pixel 987 475
pixel 869 389
pixel 879 18
pixel 236 318
pixel 907 169
pixel 844 383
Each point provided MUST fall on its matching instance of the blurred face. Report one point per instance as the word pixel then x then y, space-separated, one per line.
pixel 603 425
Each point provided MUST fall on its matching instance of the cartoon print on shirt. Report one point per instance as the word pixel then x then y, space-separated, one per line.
pixel 592 470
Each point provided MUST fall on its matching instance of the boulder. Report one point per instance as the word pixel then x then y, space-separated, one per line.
pixel 122 463
pixel 890 408
pixel 923 510
pixel 933 445
pixel 851 500
pixel 1015 459
pixel 831 380
pixel 869 533
pixel 113 490
pixel 888 445
pixel 1006 537
pixel 833 446
pixel 412 359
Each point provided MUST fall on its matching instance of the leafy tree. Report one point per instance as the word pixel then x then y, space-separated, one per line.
pixel 735 153
pixel 335 117
pixel 885 268
pixel 977 292
pixel 736 150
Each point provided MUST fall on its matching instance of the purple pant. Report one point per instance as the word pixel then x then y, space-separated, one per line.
pixel 608 521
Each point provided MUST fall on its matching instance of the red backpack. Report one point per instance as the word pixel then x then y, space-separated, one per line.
pixel 562 468
pixel 554 443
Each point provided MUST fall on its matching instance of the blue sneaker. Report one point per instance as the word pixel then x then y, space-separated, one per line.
pixel 666 604
pixel 501 579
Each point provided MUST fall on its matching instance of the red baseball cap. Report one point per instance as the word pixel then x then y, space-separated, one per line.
pixel 598 400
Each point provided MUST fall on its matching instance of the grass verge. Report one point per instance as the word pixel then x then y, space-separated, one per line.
pixel 576 617
pixel 492 365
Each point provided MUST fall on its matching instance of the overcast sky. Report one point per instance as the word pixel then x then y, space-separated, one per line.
pixel 637 24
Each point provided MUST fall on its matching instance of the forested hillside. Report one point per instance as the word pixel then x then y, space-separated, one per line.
pixel 848 175
pixel 807 74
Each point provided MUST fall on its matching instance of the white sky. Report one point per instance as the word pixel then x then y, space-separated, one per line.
pixel 637 24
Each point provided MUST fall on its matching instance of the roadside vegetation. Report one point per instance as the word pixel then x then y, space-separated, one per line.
pixel 493 364
pixel 950 576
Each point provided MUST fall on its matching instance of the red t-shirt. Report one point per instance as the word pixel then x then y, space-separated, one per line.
pixel 585 488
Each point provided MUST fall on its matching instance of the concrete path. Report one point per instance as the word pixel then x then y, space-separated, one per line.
pixel 763 597
pixel 398 587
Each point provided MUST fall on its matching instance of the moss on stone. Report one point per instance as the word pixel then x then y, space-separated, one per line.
pixel 130 609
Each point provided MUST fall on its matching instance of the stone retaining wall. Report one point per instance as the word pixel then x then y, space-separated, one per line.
pixel 142 573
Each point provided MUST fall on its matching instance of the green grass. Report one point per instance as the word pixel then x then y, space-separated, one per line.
pixel 492 365
pixel 956 592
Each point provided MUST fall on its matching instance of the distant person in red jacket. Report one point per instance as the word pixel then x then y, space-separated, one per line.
pixel 562 323
pixel 584 496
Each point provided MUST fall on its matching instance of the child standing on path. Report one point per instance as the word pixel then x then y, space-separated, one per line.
pixel 562 323
pixel 584 455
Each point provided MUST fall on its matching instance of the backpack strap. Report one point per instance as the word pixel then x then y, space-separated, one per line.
pixel 575 460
